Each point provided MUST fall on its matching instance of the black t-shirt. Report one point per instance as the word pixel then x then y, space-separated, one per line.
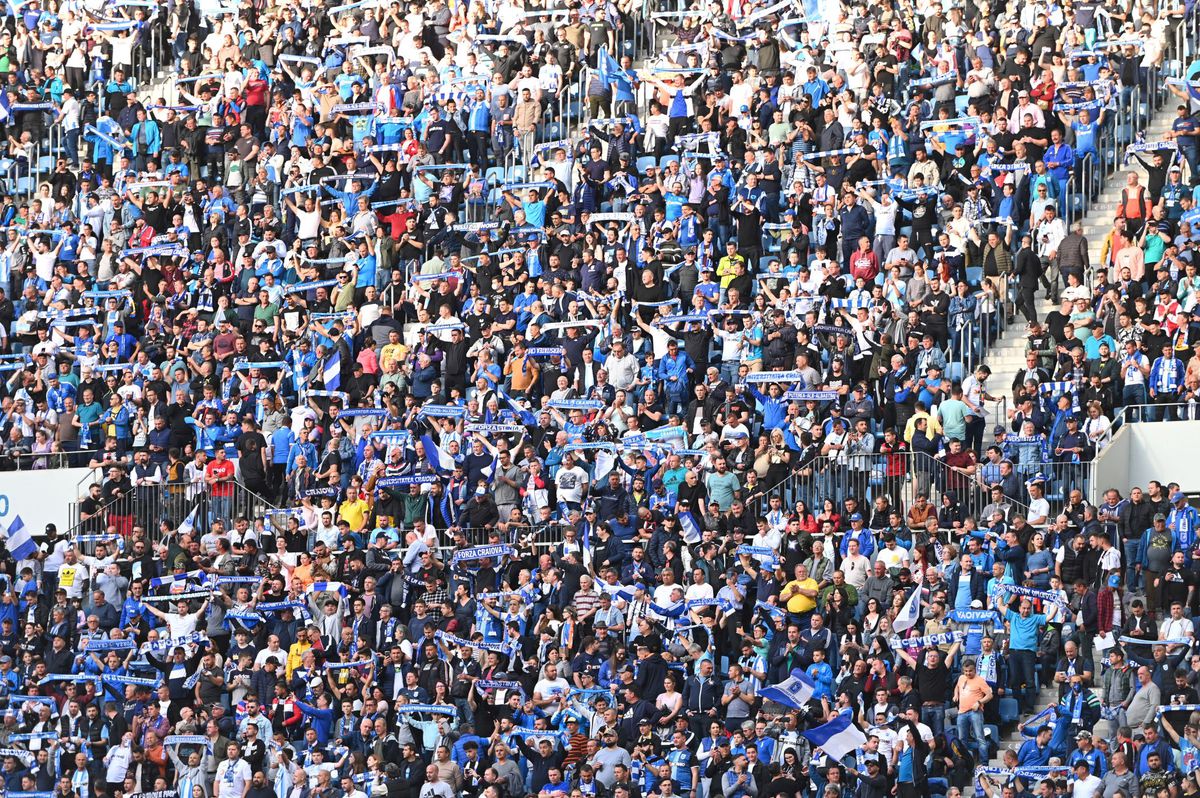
pixel 250 446
pixel 1175 584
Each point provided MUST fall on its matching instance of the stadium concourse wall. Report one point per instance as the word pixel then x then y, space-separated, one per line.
pixel 40 497
pixel 1141 452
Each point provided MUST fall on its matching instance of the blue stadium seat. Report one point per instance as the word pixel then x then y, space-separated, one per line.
pixel 974 275
pixel 645 161
pixel 1010 710
pixel 960 104
pixel 494 175
pixel 667 159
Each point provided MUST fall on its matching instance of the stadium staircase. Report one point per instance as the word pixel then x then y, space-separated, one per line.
pixel 1007 356
pixel 1010 735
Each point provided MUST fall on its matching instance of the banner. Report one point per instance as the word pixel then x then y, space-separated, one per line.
pixel 938 639
pixel 1029 592
pixel 170 643
pixel 116 678
pixel 810 396
pixel 764 554
pixel 124 644
pixel 446 637
pixel 775 376
pixel 503 429
pixel 443 411
pixel 185 739
pixel 972 616
pixel 480 552
pixel 403 482
pixel 1173 641
pixel 568 325
pixel 500 684
pixel 188 596
pixel 577 404
pixel 355 412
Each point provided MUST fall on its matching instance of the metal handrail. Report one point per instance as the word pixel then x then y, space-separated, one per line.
pixel 173 502
pixel 901 476
pixel 1136 414
pixel 59 459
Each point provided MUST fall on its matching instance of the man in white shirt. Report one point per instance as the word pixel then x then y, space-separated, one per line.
pixel 571 480
pixel 550 686
pixel 233 775
pixel 1039 508
pixel 1084 785
pixel 1048 232
pixel 855 566
pixel 622 367
pixel 1176 627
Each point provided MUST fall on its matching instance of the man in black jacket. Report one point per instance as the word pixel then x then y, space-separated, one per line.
pixel 701 699
pixel 411 774
pixel 1028 269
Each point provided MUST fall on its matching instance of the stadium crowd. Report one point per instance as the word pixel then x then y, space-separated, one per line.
pixel 443 363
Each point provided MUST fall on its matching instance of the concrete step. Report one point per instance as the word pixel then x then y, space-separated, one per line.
pixel 1007 355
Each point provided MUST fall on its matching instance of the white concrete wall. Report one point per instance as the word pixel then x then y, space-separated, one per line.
pixel 1146 451
pixel 39 497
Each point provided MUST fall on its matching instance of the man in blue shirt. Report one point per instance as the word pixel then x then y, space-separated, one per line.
pixel 1059 160
pixel 1166 380
pixel 1024 629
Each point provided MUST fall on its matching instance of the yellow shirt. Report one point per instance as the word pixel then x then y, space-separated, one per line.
pixel 354 512
pixel 295 656
pixel 392 352
pixel 798 602
pixel 726 269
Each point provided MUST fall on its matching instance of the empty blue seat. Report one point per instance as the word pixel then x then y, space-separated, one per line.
pixel 667 159
pixel 1010 710
pixel 645 161
pixel 974 275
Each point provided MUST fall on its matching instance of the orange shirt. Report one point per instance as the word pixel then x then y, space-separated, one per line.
pixel 971 692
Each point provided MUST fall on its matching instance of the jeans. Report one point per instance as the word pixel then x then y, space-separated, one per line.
pixel 970 731
pixel 1133 395
pixel 1131 550
pixel 220 507
pixel 1022 677
pixel 935 718
pixel 729 371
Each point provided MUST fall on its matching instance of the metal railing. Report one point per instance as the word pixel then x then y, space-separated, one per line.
pixel 149 506
pixel 905 476
pixel 1169 411
pixel 38 461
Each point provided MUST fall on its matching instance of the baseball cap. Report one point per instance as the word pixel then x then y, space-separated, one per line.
pixel 1159 517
